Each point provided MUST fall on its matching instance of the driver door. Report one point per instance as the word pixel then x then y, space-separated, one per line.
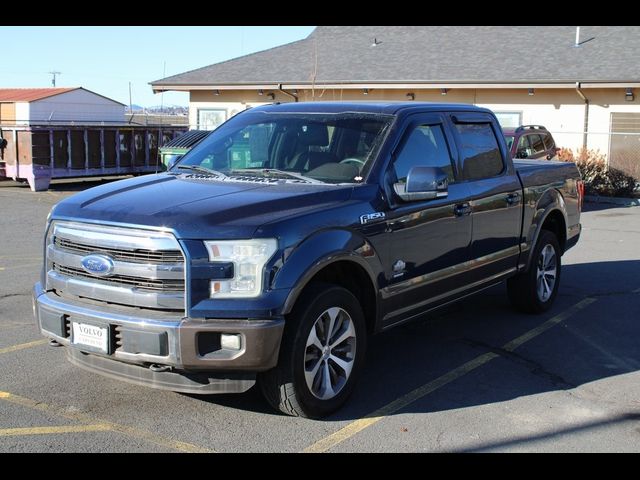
pixel 429 239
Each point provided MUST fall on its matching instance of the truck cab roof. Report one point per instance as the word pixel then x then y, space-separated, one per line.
pixel 388 108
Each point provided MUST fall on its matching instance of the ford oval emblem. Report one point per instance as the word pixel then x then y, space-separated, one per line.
pixel 100 265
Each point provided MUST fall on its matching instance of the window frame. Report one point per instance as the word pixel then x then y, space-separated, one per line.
pixel 462 118
pixel 212 109
pixel 523 137
pixel 541 136
pixel 423 120
pixel 506 113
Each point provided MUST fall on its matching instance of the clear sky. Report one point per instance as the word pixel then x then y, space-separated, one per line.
pixel 105 59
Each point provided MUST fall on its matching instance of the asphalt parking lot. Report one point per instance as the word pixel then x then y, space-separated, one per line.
pixel 477 377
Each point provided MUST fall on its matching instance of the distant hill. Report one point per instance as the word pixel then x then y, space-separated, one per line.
pixel 134 108
pixel 169 109
pixel 164 109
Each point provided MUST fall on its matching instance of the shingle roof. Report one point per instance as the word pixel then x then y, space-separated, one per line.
pixel 30 94
pixel 438 54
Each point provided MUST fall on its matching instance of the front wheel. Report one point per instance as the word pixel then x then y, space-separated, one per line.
pixel 321 355
pixel 535 290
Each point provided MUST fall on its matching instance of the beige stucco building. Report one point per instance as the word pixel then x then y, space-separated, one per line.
pixel 581 85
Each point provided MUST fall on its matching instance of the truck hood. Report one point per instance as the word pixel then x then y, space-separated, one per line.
pixel 198 208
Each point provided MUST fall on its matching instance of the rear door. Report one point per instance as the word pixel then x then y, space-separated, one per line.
pixel 495 195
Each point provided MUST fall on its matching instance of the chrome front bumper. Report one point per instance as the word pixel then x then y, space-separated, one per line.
pixel 177 345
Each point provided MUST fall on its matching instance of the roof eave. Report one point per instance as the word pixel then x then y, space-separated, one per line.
pixel 395 85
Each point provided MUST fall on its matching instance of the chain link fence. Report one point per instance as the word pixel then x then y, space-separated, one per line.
pixel 621 150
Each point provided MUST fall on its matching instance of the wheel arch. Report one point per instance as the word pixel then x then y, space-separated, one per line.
pixel 342 258
pixel 550 214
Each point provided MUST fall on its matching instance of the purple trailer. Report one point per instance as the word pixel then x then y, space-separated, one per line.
pixel 41 153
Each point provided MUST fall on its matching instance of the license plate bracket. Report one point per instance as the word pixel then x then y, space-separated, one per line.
pixel 90 337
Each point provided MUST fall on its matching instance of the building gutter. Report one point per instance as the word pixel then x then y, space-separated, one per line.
pixel 390 85
pixel 585 128
pixel 292 95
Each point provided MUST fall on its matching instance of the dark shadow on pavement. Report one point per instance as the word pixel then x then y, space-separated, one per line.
pixel 595 343
pixel 597 206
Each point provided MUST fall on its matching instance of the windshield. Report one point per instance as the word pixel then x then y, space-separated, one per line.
pixel 292 147
pixel 509 139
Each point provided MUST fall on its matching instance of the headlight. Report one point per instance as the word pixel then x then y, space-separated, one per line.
pixel 249 258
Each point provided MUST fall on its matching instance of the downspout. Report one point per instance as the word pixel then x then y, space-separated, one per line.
pixel 292 95
pixel 586 115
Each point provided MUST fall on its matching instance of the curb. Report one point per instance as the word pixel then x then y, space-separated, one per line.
pixel 627 202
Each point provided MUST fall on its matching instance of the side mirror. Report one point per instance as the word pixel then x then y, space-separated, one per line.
pixel 423 183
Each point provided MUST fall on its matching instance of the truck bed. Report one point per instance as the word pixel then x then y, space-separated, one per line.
pixel 537 173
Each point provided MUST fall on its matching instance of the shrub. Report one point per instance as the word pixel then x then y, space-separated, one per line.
pixel 598 178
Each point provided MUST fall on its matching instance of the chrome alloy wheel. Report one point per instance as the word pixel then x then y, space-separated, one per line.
pixel 330 353
pixel 546 273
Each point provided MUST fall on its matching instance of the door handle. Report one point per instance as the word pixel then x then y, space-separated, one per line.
pixel 513 198
pixel 462 209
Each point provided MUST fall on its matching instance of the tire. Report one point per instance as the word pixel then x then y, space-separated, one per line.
pixel 529 291
pixel 286 387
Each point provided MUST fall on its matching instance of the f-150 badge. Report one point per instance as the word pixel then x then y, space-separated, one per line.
pixel 370 217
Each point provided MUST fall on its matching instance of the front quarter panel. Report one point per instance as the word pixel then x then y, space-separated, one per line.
pixel 306 259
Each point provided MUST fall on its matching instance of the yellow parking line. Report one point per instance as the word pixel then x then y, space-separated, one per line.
pixel 552 322
pixel 353 428
pixel 23 346
pixel 15 432
pixel 115 427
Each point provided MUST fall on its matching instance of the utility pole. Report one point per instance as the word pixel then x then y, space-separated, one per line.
pixel 53 79
pixel 164 74
pixel 130 104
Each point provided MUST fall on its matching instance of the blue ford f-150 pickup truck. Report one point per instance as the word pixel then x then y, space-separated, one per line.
pixel 273 249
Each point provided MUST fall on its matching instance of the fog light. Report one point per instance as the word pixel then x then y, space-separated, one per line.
pixel 230 341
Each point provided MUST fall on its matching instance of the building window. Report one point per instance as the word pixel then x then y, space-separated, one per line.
pixel 509 119
pixel 210 119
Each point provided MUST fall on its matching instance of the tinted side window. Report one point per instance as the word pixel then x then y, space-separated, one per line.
pixel 523 143
pixel 480 153
pixel 425 147
pixel 548 142
pixel 536 143
pixel 524 148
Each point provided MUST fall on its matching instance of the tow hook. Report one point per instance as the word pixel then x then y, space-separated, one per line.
pixel 154 367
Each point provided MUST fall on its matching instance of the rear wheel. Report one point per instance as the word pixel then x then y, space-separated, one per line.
pixel 321 355
pixel 535 290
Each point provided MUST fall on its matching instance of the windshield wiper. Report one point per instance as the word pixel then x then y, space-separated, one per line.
pixel 198 168
pixel 267 171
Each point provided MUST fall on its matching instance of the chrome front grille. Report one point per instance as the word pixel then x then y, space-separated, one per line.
pixel 148 266
pixel 138 256
pixel 125 280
